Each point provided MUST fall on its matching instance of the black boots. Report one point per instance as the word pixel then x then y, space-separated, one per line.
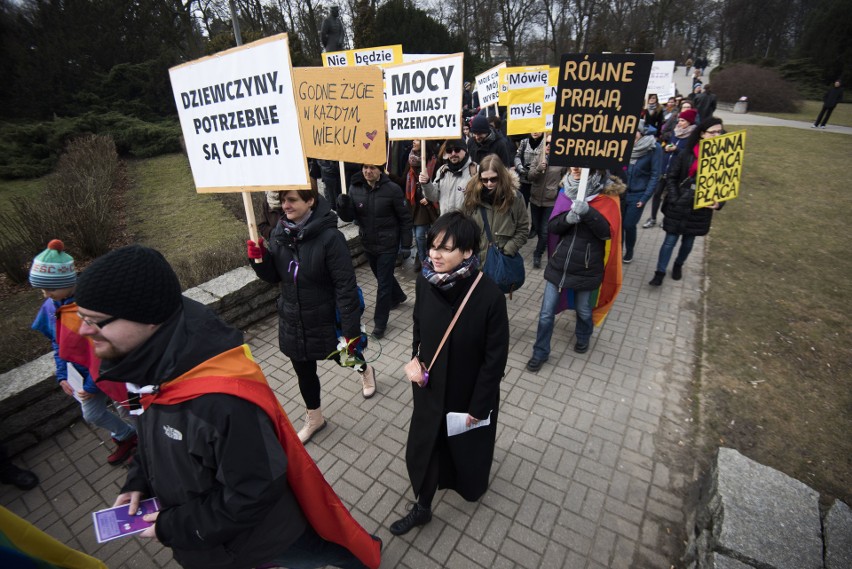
pixel 417 516
pixel 658 278
pixel 677 272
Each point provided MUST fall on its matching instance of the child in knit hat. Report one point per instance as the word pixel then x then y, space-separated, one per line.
pixel 53 272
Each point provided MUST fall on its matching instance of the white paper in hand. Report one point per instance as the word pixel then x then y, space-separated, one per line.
pixel 456 423
pixel 75 380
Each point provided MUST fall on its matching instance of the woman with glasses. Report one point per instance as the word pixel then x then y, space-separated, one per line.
pixel 494 194
pixel 681 221
pixel 465 377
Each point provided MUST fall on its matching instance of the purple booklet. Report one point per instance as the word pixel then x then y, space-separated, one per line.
pixel 115 522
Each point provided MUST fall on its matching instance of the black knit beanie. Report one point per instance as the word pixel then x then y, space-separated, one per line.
pixel 134 283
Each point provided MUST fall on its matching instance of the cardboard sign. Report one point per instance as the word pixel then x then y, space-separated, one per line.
pixel 599 99
pixel 424 99
pixel 513 78
pixel 720 168
pixel 531 110
pixel 341 111
pixel 382 55
pixel 238 117
pixel 661 80
pixel 488 85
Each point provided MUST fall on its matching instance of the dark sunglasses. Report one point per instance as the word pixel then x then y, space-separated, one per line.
pixel 492 180
pixel 455 150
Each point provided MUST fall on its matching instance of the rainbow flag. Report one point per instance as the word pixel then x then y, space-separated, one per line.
pixel 604 297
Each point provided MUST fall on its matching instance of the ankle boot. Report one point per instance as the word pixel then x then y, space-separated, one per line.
pixel 677 272
pixel 417 516
pixel 658 278
pixel 314 423
pixel 368 382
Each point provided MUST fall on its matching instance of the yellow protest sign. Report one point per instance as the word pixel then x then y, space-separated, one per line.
pixel 720 168
pixel 531 110
pixel 381 55
pixel 513 78
pixel 341 112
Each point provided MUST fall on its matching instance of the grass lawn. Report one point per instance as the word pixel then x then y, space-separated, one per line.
pixel 777 379
pixel 841 116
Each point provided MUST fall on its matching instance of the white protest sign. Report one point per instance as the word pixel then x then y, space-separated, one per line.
pixel 660 82
pixel 424 99
pixel 238 116
pixel 488 85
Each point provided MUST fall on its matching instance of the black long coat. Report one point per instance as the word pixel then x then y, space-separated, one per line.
pixel 325 280
pixel 465 379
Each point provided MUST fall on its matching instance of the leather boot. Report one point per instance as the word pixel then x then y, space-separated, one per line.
pixel 314 423
pixel 368 382
pixel 677 272
pixel 417 516
pixel 658 278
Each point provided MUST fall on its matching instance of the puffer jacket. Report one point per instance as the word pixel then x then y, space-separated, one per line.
pixel 384 220
pixel 315 274
pixel 680 217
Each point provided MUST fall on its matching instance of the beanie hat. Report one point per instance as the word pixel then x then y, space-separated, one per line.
pixel 134 283
pixel 480 125
pixel 688 115
pixel 456 143
pixel 53 268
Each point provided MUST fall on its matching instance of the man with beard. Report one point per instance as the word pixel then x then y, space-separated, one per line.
pixel 451 178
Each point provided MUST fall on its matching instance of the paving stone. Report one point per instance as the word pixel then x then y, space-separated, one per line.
pixel 838 536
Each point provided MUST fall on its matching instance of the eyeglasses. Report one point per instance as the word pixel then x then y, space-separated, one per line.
pixel 99 325
pixel 455 150
pixel 485 180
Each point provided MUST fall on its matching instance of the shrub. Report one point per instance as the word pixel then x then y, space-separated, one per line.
pixel 766 90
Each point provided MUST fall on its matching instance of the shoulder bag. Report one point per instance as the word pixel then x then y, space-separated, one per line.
pixel 505 270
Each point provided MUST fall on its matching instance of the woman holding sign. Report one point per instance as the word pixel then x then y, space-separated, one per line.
pixel 681 221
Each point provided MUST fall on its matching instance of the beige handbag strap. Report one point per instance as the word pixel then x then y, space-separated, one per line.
pixel 453 323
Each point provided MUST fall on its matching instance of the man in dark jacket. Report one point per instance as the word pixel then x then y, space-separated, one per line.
pixel 215 447
pixel 384 221
pixel 485 140
pixel 705 103
pixel 829 101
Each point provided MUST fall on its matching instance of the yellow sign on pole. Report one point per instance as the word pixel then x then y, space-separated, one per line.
pixel 720 168
pixel 381 55
pixel 341 112
pixel 514 78
pixel 531 110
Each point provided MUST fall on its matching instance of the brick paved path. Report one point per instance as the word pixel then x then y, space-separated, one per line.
pixel 593 453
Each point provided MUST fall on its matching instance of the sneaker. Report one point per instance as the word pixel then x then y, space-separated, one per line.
pixel 22 479
pixel 417 516
pixel 581 347
pixel 628 258
pixel 822 126
pixel 123 450
pixel 536 262
pixel 535 363
pixel 815 126
pixel 650 223
pixel 368 382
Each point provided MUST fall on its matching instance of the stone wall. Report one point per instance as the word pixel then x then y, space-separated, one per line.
pixel 33 408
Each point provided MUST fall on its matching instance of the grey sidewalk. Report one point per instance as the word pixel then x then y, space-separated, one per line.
pixel 593 452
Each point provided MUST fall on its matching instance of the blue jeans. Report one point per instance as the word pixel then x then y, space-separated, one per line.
pixel 630 216
pixel 388 292
pixel 311 551
pixel 583 330
pixel 668 247
pixel 539 216
pixel 95 412
pixel 420 232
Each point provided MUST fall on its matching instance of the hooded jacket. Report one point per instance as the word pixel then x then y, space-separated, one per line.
pixel 448 187
pixel 314 272
pixel 510 229
pixel 384 220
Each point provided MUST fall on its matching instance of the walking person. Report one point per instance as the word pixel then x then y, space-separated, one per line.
pixel 643 174
pixel 582 271
pixel 451 179
pixel 384 221
pixel 545 180
pixel 525 157
pixel 830 100
pixel 681 221
pixel 423 212
pixel 464 371
pixel 494 194
pixel 673 143
pixel 319 307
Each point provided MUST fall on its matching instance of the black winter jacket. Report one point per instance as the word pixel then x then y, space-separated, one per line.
pixel 314 271
pixel 494 143
pixel 577 261
pixel 382 214
pixel 214 462
pixel 680 217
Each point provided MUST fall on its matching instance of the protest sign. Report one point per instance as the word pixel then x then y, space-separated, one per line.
pixel 513 78
pixel 381 55
pixel 238 117
pixel 599 98
pixel 488 85
pixel 341 111
pixel 424 99
pixel 531 110
pixel 720 168
pixel 661 80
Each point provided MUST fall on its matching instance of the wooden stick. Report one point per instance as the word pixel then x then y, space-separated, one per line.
pixel 250 220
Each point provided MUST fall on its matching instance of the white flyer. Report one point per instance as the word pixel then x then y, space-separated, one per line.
pixel 456 423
